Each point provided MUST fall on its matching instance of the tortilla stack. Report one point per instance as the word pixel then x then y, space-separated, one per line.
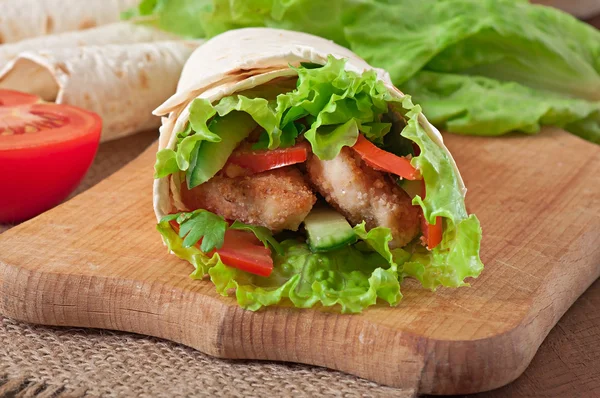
pixel 23 19
pixel 122 83
pixel 115 33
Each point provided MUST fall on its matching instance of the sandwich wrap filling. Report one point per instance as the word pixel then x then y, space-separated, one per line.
pixel 271 90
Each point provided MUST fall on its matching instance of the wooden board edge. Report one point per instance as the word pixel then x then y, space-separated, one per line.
pixel 212 326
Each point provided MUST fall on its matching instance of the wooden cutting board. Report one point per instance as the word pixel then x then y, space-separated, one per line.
pixel 97 261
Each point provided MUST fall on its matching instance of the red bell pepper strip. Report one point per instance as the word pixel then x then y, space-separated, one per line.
pixel 431 232
pixel 263 160
pixel 385 161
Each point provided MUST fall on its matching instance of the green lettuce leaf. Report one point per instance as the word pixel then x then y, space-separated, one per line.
pixel 260 109
pixel 166 163
pixel 457 256
pixel 182 17
pixel 346 277
pixel 539 49
pixel 452 261
pixel 201 262
pixel 481 106
pixel 339 102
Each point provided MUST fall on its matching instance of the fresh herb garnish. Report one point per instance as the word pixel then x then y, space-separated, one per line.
pixel 202 225
pixel 262 233
pixel 210 228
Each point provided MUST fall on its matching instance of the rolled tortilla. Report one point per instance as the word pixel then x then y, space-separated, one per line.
pixel 115 33
pixel 210 172
pixel 122 83
pixel 240 60
pixel 24 19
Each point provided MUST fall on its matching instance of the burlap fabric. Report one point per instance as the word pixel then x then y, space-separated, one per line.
pixel 38 361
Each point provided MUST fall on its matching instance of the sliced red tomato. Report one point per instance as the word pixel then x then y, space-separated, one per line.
pixel 45 150
pixel 12 98
pixel 243 250
pixel 385 161
pixel 259 161
pixel 431 232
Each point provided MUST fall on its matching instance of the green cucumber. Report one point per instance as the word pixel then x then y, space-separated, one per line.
pixel 328 230
pixel 412 187
pixel 210 157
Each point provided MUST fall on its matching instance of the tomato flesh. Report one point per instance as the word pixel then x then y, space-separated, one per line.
pixel 243 250
pixel 13 98
pixel 431 232
pixel 45 150
pixel 259 161
pixel 385 161
pixel 22 119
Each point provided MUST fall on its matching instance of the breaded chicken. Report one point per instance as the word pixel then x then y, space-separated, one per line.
pixel 361 193
pixel 277 199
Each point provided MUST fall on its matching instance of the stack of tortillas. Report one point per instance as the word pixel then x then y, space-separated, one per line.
pixel 78 53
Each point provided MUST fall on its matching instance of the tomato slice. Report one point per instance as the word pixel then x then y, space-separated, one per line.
pixel 385 161
pixel 431 232
pixel 243 250
pixel 259 161
pixel 12 98
pixel 45 150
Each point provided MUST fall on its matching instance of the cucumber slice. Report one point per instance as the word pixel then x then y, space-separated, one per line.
pixel 412 187
pixel 328 230
pixel 211 157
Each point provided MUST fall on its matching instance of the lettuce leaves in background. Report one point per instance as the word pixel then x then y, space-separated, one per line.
pixel 481 106
pixel 455 57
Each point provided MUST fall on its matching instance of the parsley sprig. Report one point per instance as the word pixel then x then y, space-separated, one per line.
pixel 210 228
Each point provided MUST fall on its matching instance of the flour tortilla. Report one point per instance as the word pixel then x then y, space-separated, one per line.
pixel 242 59
pixel 115 33
pixel 121 83
pixel 23 19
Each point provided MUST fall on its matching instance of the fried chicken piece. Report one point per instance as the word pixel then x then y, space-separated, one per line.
pixel 362 193
pixel 277 199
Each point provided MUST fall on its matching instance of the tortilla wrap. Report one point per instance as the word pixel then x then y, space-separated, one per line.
pixel 23 19
pixel 121 83
pixel 242 59
pixel 290 169
pixel 115 33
